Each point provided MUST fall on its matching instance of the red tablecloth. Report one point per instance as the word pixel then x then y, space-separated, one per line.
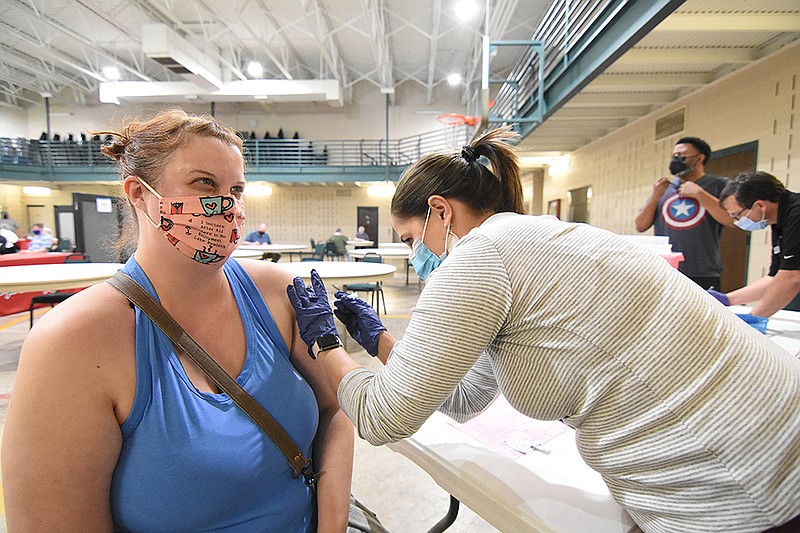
pixel 673 258
pixel 12 303
pixel 32 258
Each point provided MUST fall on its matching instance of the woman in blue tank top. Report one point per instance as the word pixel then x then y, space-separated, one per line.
pixel 112 428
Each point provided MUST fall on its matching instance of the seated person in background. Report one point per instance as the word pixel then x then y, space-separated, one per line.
pixel 41 240
pixel 10 222
pixel 361 234
pixel 755 200
pixel 259 236
pixel 8 240
pixel 339 241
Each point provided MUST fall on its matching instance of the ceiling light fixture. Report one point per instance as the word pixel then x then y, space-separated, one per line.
pixel 454 78
pixel 559 166
pixel 465 9
pixel 254 69
pixel 258 188
pixel 111 73
pixel 384 189
pixel 36 191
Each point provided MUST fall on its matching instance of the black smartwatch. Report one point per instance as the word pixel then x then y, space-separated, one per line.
pixel 326 342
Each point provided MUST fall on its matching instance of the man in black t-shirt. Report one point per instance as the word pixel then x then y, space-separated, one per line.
pixel 755 200
pixel 685 208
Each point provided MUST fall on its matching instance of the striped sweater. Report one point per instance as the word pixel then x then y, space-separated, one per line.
pixel 690 415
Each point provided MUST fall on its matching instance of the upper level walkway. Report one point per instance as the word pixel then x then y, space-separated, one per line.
pixel 274 160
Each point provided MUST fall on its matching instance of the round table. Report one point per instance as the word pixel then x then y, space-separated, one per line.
pixel 385 252
pixel 341 272
pixel 247 254
pixel 274 248
pixel 52 277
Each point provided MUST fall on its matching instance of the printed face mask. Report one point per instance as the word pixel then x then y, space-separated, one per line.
pixel 679 167
pixel 422 258
pixel 203 228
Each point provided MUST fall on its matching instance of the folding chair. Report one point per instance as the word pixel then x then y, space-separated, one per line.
pixel 375 289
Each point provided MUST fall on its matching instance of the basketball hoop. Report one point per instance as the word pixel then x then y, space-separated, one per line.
pixel 455 119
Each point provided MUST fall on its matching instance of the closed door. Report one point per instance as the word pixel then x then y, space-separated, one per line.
pixel 368 217
pixel 734 243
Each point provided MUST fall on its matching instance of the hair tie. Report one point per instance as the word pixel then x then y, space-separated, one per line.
pixel 468 153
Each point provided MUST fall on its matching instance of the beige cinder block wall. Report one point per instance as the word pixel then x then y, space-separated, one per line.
pixel 295 214
pixel 760 103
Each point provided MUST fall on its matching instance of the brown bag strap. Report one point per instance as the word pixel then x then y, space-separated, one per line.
pixel 156 312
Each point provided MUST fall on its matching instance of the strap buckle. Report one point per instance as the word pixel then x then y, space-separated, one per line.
pixel 309 476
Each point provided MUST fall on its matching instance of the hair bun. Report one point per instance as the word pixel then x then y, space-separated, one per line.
pixel 468 153
pixel 115 149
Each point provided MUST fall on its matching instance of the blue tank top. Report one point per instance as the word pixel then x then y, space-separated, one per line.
pixel 194 461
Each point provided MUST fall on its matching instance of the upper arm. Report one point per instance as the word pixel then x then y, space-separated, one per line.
pixel 272 282
pixel 62 438
pixel 459 314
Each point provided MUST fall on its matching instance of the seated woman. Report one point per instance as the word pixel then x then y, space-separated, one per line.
pixel 113 428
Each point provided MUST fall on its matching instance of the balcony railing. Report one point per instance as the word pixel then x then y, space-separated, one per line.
pixel 258 152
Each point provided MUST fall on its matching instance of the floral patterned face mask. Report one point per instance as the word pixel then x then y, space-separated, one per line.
pixel 203 228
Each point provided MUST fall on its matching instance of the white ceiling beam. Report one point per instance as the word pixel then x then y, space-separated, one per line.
pixel 377 16
pixel 583 112
pixel 588 121
pixel 622 98
pixel 436 18
pixel 285 41
pixel 321 31
pixel 723 22
pixel 685 56
pixel 30 11
pixel 263 46
pixel 23 63
pixel 605 81
pixel 47 51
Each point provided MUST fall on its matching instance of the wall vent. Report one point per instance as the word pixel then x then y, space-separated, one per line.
pixel 670 124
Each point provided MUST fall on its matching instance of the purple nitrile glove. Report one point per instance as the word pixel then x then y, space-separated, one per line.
pixel 721 296
pixel 312 309
pixel 360 319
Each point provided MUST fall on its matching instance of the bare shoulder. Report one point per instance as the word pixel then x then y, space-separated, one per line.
pixel 269 278
pixel 90 332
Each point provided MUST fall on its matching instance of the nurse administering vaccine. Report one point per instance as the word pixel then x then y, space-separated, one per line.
pixel 692 432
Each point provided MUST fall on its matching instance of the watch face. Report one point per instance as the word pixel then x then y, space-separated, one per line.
pixel 328 342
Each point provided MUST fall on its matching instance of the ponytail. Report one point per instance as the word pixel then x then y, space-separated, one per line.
pixel 483 174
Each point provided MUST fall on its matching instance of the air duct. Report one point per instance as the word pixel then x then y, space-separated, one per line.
pixel 162 44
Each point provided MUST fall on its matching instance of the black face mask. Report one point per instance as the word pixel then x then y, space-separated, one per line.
pixel 678 166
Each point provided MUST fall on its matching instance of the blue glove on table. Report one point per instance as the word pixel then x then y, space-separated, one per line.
pixel 312 310
pixel 721 296
pixel 360 319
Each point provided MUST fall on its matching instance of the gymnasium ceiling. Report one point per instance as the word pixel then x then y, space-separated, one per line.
pixel 321 50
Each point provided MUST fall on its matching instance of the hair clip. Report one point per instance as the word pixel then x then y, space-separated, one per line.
pixel 468 153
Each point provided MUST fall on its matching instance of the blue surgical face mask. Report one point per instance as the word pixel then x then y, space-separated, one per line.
pixel 747 224
pixel 422 258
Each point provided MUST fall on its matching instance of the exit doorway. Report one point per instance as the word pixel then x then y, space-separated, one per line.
pixel 734 243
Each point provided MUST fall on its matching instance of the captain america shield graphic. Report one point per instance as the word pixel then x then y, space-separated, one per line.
pixel 682 213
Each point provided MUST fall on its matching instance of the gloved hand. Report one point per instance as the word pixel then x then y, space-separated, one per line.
pixel 721 296
pixel 360 319
pixel 312 310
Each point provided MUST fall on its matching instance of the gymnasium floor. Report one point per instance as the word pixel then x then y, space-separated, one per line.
pixel 404 497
